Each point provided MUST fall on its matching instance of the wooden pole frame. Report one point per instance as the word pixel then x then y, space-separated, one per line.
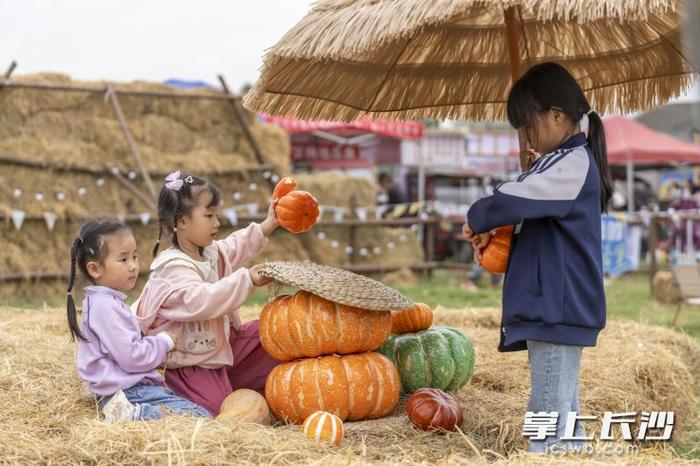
pixel 238 111
pixel 112 96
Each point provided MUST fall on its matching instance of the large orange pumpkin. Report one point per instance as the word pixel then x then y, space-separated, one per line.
pixel 297 211
pixel 353 387
pixel 495 256
pixel 284 187
pixel 304 325
pixel 418 318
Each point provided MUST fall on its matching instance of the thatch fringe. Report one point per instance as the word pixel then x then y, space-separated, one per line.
pixel 449 59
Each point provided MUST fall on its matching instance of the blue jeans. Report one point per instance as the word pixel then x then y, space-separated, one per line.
pixel 156 401
pixel 554 371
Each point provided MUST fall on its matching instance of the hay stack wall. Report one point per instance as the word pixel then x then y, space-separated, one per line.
pixel 74 138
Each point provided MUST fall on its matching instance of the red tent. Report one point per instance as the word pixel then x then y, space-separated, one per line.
pixel 394 129
pixel 631 141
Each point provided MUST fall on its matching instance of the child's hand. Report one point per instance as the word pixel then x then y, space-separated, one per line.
pixel 270 223
pixel 258 280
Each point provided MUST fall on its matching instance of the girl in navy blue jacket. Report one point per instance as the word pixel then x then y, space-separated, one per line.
pixel 553 296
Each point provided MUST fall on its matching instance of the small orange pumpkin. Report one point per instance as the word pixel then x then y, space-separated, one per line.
pixel 324 427
pixel 284 187
pixel 495 256
pixel 297 211
pixel 418 318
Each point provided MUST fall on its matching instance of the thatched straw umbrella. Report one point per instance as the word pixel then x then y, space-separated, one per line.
pixel 414 59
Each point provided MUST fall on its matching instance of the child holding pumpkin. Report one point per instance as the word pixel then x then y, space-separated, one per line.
pixel 553 296
pixel 117 362
pixel 195 289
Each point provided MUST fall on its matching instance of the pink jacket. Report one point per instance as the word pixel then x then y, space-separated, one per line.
pixel 197 300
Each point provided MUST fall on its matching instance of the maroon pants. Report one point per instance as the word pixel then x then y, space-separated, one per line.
pixel 209 387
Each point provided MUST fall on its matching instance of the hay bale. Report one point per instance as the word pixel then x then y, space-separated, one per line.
pixel 665 287
pixel 56 421
pixel 337 189
pixel 401 277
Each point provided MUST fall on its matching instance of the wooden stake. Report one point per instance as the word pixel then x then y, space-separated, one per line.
pixel 143 197
pixel 238 111
pixel 112 94
pixel 10 69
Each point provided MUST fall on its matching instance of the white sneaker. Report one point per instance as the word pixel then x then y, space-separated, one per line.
pixel 119 409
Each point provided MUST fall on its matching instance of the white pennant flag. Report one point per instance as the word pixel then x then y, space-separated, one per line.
pixel 17 217
pixel 379 212
pixel 361 213
pixel 145 217
pixel 121 218
pixel 339 214
pixel 231 215
pixel 252 209
pixel 321 209
pixel 50 219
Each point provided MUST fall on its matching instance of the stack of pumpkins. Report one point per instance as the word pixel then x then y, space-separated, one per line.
pixel 438 357
pixel 328 359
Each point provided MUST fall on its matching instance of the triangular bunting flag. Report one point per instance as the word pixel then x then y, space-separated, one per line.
pixel 339 214
pixel 321 209
pixel 231 215
pixel 361 213
pixel 379 212
pixel 145 217
pixel 17 217
pixel 252 209
pixel 50 219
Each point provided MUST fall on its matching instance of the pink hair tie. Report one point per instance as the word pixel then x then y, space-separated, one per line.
pixel 173 181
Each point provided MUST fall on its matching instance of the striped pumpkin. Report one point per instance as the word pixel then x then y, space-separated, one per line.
pixel 419 317
pixel 304 325
pixel 353 387
pixel 324 427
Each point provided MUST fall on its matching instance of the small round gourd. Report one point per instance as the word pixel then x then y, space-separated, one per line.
pixel 434 410
pixel 323 426
pixel 245 405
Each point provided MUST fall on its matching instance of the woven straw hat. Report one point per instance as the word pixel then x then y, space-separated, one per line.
pixel 337 285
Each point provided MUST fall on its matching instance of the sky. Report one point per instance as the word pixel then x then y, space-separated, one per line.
pixel 152 40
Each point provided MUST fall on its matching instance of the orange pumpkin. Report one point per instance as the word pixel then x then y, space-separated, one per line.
pixel 304 325
pixel 433 409
pixel 284 187
pixel 495 256
pixel 353 387
pixel 297 211
pixel 418 318
pixel 324 427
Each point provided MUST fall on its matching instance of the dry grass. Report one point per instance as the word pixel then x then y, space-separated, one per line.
pixel 48 418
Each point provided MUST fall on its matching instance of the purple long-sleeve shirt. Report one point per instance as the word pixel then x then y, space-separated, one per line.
pixel 116 356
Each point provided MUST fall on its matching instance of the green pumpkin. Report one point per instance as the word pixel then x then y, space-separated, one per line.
pixel 439 357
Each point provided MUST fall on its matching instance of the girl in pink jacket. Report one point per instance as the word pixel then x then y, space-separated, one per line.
pixel 195 289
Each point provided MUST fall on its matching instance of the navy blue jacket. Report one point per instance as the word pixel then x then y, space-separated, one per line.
pixel 553 288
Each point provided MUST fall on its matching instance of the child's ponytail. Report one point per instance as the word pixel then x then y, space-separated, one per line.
pixel 160 235
pixel 596 141
pixel 70 303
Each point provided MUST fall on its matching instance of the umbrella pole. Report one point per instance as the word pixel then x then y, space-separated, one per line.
pixel 511 20
pixel 630 186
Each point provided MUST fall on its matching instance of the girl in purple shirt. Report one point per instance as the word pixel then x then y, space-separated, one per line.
pixel 118 363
